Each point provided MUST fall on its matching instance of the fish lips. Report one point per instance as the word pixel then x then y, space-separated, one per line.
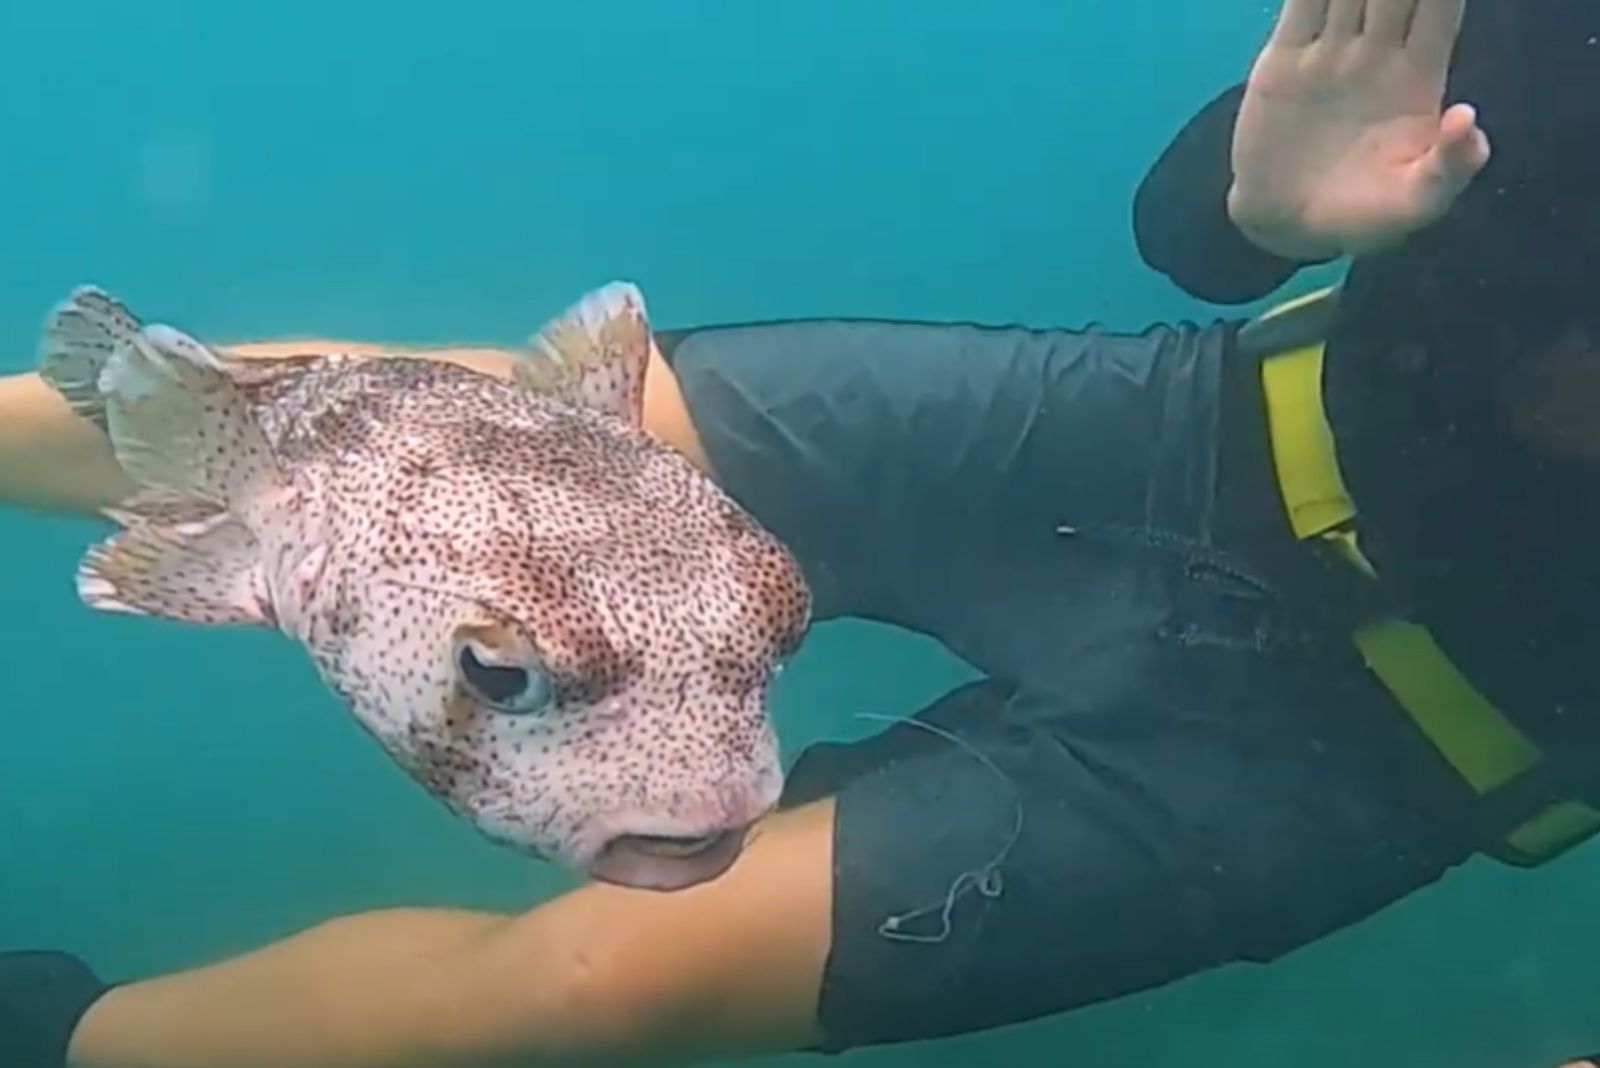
pixel 663 863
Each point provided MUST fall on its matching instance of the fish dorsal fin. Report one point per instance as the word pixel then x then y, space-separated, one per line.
pixel 595 354
pixel 178 421
pixel 80 335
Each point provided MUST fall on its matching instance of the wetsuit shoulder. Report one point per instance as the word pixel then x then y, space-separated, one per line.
pixel 1180 214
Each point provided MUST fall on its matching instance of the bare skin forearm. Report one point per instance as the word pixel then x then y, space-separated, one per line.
pixel 50 460
pixel 599 976
pixel 358 991
pixel 394 989
pixel 53 461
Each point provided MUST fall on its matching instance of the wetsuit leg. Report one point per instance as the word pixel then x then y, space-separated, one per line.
pixel 1171 802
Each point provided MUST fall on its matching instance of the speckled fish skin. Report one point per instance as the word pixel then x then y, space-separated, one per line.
pixel 407 506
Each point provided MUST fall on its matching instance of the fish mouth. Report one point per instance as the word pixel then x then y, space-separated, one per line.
pixel 667 862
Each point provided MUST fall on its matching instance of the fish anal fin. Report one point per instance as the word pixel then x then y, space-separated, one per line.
pixel 180 559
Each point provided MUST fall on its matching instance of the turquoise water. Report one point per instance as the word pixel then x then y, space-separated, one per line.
pixel 437 173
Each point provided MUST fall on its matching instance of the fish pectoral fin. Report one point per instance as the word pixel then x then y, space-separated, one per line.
pixel 80 335
pixel 178 421
pixel 179 559
pixel 595 354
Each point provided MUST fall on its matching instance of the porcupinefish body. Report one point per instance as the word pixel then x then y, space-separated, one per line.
pixel 561 628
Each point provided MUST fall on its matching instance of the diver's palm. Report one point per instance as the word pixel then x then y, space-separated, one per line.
pixel 1340 145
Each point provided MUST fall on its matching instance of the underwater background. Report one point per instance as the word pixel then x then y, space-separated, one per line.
pixel 433 173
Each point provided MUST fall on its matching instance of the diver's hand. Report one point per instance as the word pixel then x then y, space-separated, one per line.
pixel 1340 147
pixel 42 998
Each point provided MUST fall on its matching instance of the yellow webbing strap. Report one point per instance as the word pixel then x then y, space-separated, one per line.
pixel 1479 742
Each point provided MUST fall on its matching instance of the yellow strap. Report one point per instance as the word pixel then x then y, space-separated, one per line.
pixel 1302 443
pixel 1559 827
pixel 1480 743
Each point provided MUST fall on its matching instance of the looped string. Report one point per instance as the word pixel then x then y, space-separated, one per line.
pixel 986 879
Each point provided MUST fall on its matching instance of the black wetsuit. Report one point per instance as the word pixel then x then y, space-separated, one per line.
pixel 1169 764
pixel 1204 772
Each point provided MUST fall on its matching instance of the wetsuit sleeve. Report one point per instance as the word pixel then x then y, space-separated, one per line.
pixel 870 449
pixel 1180 214
pixel 912 467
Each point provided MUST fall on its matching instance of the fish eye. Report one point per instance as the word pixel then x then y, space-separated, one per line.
pixel 505 687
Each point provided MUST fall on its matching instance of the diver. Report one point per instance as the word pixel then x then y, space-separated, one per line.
pixel 1222 583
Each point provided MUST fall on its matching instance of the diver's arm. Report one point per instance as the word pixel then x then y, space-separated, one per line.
pixel 487 359
pixel 600 976
pixel 666 417
pixel 53 461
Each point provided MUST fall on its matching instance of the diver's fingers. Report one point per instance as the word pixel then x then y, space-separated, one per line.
pixel 1388 21
pixel 1433 32
pixel 1300 22
pixel 1462 143
pixel 1345 19
pixel 1451 165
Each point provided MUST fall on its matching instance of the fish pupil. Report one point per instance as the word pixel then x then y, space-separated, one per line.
pixel 495 683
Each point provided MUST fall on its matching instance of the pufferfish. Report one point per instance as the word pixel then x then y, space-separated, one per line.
pixel 561 628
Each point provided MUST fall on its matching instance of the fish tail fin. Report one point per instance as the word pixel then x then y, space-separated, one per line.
pixel 80 336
